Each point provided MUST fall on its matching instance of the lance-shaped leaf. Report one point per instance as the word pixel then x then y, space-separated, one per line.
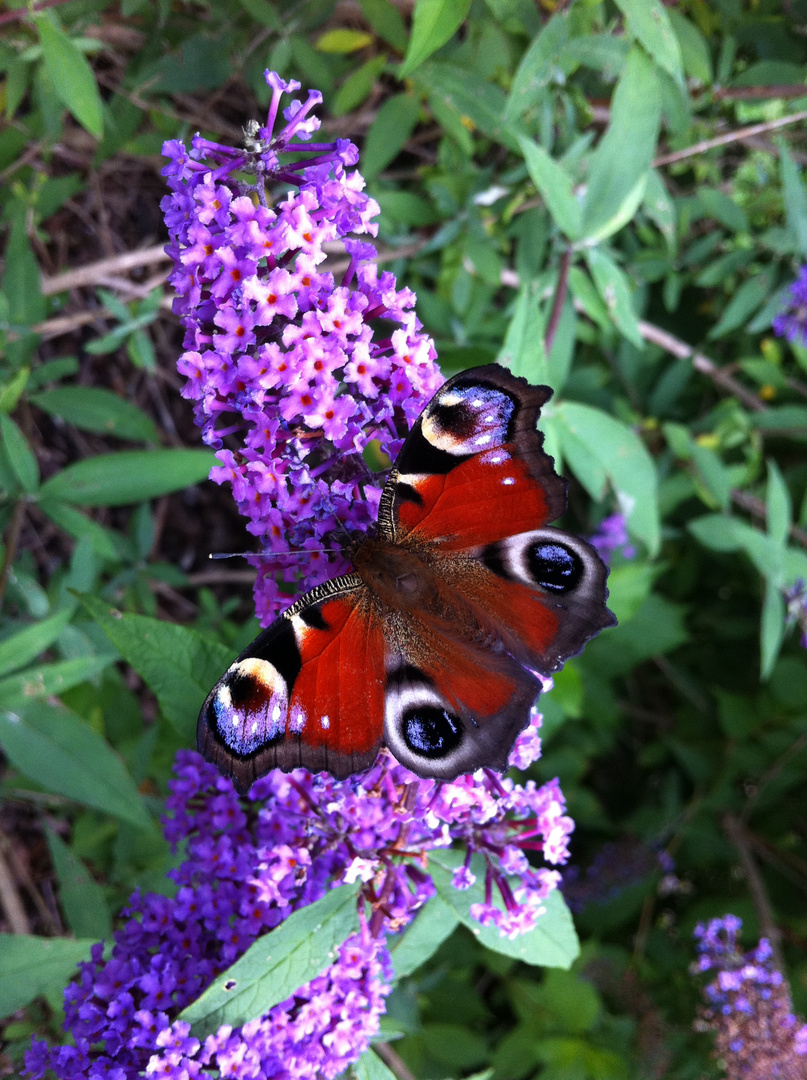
pixel 623 457
pixel 61 752
pixel 278 963
pixel 129 476
pixel 618 172
pixel 180 665
pixel 34 965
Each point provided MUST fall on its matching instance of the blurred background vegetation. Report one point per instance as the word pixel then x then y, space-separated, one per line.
pixel 608 197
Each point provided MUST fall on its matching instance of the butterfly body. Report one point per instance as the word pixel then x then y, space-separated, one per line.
pixel 432 643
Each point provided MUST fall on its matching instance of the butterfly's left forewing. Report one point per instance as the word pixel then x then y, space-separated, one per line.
pixel 309 691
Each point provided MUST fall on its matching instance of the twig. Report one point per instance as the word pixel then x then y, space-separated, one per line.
pixel 94 273
pixel 10 900
pixel 393 1061
pixel 701 363
pixel 731 136
pixel 559 299
pixel 757 93
pixel 734 830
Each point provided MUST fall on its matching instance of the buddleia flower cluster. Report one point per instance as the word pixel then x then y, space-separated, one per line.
pixel 250 863
pixel 291 380
pixel 791 322
pixel 748 1007
pixel 293 373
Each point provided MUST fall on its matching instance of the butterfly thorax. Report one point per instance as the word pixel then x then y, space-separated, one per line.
pixel 397 576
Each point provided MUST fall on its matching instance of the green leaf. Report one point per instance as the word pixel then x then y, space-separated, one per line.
pixel 52 371
pixel 12 390
pixel 713 474
pixel 82 898
pixel 19 455
pixel 659 206
pixel 389 133
pixel 32 966
pixel 719 532
pixel 387 22
pixel 585 293
pixel 584 462
pixel 356 88
pixel 782 418
pixel 602 52
pixel 25 645
pixel 750 295
pixel 22 286
pixel 178 664
pixel 343 40
pixel 263 13
pixel 129 476
pixel 476 103
pixel 723 208
pixel 625 460
pixel 614 288
pixel 522 350
pixel 278 963
pixel 371 1067
pixel 623 156
pixel 772 629
pixel 49 679
pixel 433 23
pixel 538 68
pixel 795 198
pixel 648 20
pixel 779 514
pixel 93 409
pixel 72 76
pixel 60 752
pixel 695 55
pixel 423 937
pixel 553 942
pixel 555 187
pixel 106 543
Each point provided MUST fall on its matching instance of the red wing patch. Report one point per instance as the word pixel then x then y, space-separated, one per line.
pixel 337 703
pixel 489 496
pixel 473 469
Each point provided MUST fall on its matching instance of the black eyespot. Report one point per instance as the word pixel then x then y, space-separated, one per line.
pixel 430 731
pixel 457 420
pixel 554 567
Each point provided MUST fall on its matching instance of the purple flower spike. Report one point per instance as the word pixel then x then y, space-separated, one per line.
pixel 248 865
pixel 748 1007
pixel 791 322
pixel 611 536
pixel 290 378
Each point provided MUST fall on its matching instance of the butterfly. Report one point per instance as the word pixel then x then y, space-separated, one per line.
pixel 431 644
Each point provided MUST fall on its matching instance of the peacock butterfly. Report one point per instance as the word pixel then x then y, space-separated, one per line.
pixel 431 644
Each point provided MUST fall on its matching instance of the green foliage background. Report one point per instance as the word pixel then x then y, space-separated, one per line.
pixel 623 178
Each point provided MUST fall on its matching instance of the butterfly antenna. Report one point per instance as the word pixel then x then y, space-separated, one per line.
pixel 271 555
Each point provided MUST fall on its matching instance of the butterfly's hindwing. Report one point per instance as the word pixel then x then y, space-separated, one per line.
pixel 442 723
pixel 547 588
